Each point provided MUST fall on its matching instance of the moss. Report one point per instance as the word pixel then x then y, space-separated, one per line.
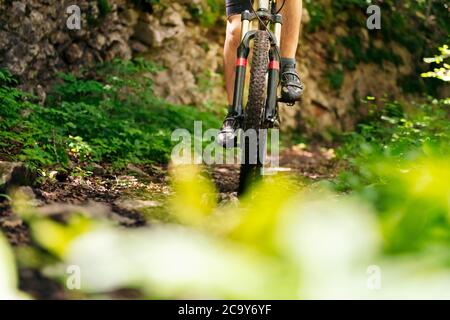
pixel 317 15
pixel 103 7
pixel 335 78
pixel 154 214
pixel 207 12
pixel 379 55
pixel 403 23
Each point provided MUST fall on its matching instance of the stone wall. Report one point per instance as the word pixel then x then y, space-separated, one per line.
pixel 192 57
pixel 35 44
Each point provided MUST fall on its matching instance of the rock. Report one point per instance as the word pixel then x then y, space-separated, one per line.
pixel 123 220
pixel 118 49
pixel 41 94
pixel 97 169
pixel 131 16
pixel 136 204
pixel 137 170
pixel 64 211
pixel 74 53
pixel 154 32
pixel 11 223
pixel 14 174
pixel 172 18
pixel 139 47
pixel 35 43
pixel 28 192
pixel 98 42
pixel 306 18
pixel 229 199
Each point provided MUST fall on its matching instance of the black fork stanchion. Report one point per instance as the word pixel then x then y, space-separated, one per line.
pixel 241 67
pixel 274 78
pixel 241 64
pixel 274 69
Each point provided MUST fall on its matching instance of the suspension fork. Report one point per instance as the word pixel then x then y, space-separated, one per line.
pixel 274 73
pixel 272 86
pixel 241 65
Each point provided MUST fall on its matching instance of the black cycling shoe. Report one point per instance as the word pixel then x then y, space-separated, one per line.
pixel 227 136
pixel 291 86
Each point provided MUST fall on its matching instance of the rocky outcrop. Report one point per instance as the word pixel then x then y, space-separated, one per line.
pixel 192 61
pixel 36 43
pixel 191 56
pixel 325 109
pixel 14 174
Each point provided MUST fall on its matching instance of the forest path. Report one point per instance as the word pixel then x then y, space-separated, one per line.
pixel 137 197
pixel 140 195
pixel 310 163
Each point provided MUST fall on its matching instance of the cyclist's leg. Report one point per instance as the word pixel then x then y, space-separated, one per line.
pixel 234 8
pixel 292 16
pixel 292 87
pixel 232 41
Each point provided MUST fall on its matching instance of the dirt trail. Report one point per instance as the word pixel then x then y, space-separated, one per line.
pixel 135 198
pixel 311 163
pixel 125 195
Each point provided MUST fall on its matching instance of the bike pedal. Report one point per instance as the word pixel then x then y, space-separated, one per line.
pixel 232 144
pixel 290 103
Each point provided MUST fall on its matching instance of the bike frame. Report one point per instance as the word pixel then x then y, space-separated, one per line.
pixel 266 12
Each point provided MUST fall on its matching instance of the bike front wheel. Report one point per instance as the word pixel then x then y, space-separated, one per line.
pixel 254 139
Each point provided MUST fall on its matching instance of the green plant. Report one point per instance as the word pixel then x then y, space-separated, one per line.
pixel 207 12
pixel 112 117
pixel 335 78
pixel 103 7
pixel 399 161
pixel 280 242
pixel 442 72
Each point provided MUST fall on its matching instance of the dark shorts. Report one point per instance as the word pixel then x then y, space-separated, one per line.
pixel 237 6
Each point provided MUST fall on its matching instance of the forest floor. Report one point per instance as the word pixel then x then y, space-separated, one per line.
pixel 137 197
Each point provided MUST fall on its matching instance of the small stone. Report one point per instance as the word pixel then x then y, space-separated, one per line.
pixel 172 18
pixel 138 46
pixel 11 223
pixel 64 210
pixel 27 191
pixel 97 42
pixel 125 221
pixel 136 170
pixel 14 174
pixel 131 16
pixel 135 204
pixel 74 53
pixel 97 169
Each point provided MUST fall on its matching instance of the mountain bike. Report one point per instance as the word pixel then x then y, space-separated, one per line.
pixel 261 111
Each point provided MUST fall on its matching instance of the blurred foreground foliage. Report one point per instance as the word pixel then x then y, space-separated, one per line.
pixel 8 273
pixel 107 114
pixel 399 160
pixel 379 230
pixel 281 241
